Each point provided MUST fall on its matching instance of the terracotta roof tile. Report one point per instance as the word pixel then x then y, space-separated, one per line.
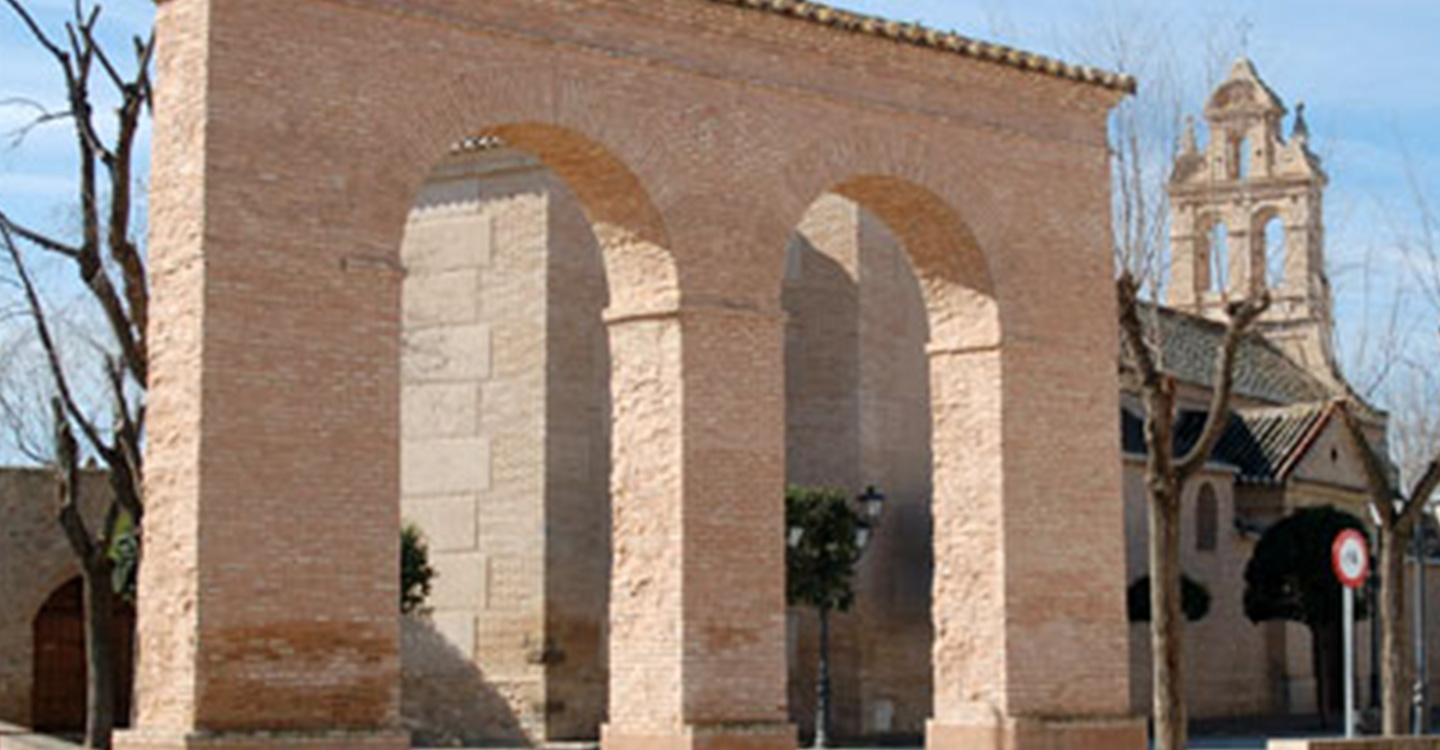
pixel 922 36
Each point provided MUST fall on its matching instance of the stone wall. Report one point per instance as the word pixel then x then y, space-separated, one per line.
pixel 506 408
pixel 473 456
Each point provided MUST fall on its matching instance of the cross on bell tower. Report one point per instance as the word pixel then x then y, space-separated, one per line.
pixel 1246 215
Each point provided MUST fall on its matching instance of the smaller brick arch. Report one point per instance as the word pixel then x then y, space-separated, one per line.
pixel 954 277
pixel 629 228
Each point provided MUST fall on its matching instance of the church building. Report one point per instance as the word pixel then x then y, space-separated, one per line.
pixel 1246 217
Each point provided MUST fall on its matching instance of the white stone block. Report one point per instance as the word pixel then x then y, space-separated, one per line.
pixel 439 410
pixel 444 467
pixel 459 581
pixel 447 522
pixel 446 241
pixel 447 354
pixel 448 297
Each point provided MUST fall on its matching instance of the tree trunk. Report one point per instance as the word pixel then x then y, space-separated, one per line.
pixel 99 654
pixel 822 684
pixel 1165 623
pixel 1394 678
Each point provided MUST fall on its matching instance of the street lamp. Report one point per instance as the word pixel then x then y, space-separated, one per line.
pixel 871 506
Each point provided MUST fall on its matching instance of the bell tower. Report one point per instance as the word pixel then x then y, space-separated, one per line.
pixel 1246 215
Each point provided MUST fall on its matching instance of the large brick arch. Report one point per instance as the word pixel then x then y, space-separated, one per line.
pixel 968 418
pixel 292 137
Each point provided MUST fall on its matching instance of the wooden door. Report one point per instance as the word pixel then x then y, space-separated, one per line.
pixel 58 691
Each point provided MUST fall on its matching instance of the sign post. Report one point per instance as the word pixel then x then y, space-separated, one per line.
pixel 1350 556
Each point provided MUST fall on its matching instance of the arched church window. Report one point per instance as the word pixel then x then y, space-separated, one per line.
pixel 1217 256
pixel 1207 519
pixel 1240 158
pixel 1273 235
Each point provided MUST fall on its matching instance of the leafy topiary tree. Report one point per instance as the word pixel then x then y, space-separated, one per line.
pixel 1194 599
pixel 415 570
pixel 1289 577
pixel 820 569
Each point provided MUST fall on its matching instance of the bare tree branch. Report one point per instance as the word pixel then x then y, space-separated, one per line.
pixel 47 341
pixel 1242 317
pixel 39 240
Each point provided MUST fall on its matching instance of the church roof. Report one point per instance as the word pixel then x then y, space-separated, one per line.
pixel 922 36
pixel 1263 445
pixel 1262 371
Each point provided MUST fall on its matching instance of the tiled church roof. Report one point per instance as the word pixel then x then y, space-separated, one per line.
pixel 922 36
pixel 1262 371
pixel 1262 445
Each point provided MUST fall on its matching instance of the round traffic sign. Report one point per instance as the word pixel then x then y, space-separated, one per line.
pixel 1351 558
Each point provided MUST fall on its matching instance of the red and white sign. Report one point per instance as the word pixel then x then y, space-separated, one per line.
pixel 1351 557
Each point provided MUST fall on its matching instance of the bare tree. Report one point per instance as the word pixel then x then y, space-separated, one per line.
pixel 1146 135
pixel 1414 443
pixel 108 266
pixel 1395 514
pixel 1166 476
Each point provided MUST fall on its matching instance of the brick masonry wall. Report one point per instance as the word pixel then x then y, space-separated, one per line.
pixel 696 136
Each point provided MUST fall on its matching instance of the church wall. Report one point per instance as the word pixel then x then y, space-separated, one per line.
pixel 473 450
pixel 1332 460
pixel 1232 666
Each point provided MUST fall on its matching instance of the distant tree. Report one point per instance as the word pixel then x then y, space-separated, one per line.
pixel 820 570
pixel 1290 578
pixel 415 571
pixel 1402 365
pixel 1194 599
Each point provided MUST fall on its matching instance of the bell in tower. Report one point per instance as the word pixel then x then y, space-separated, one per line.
pixel 1246 216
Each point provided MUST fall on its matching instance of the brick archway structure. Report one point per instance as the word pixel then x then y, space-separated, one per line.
pixel 291 140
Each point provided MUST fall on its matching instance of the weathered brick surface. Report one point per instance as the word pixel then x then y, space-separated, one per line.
pixel 295 137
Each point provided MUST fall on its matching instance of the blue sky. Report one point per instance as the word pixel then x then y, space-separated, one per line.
pixel 1367 70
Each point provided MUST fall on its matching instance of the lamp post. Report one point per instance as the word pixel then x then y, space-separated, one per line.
pixel 871 504
pixel 1420 721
